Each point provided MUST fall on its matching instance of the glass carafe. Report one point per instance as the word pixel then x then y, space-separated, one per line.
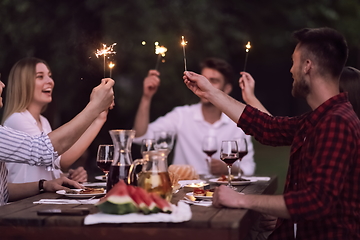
pixel 122 140
pixel 154 176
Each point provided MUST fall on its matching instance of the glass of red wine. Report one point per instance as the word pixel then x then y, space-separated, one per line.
pixel 209 147
pixel 229 154
pixel 242 150
pixel 105 157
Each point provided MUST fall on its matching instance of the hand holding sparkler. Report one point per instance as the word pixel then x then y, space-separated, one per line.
pixel 184 43
pixel 151 84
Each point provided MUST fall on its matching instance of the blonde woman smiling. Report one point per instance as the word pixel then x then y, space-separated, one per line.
pixel 29 91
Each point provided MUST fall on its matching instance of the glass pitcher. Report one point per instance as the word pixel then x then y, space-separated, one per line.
pixel 154 176
pixel 122 140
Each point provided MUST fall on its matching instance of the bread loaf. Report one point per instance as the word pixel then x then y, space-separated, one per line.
pixel 183 172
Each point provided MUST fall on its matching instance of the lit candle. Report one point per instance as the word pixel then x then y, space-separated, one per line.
pixel 247 49
pixel 183 43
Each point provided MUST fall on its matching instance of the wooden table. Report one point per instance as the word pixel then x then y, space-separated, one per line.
pixel 19 220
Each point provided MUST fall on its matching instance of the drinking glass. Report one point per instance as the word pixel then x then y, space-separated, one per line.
pixel 242 150
pixel 105 157
pixel 209 147
pixel 229 154
pixel 164 142
pixel 147 145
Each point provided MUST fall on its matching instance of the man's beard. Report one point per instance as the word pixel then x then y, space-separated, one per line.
pixel 300 89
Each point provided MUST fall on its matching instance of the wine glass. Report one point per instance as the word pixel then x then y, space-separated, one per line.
pixel 147 145
pixel 242 150
pixel 229 154
pixel 209 147
pixel 105 157
pixel 164 141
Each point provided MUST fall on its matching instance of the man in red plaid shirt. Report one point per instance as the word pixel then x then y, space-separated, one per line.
pixel 321 199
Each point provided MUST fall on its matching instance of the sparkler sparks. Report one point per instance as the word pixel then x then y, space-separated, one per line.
pixel 160 51
pixel 106 50
pixel 247 49
pixel 184 43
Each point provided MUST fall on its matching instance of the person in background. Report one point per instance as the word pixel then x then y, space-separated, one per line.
pixel 19 147
pixel 321 197
pixel 29 91
pixel 191 123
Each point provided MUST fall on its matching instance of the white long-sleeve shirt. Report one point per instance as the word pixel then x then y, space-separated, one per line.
pixel 19 147
pixel 190 128
pixel 22 173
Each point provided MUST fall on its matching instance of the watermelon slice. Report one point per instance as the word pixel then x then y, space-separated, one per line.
pixel 161 203
pixel 139 201
pixel 147 200
pixel 118 201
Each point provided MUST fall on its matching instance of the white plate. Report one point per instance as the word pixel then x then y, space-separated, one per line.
pixel 198 197
pixel 235 183
pixel 94 184
pixel 74 195
pixel 101 178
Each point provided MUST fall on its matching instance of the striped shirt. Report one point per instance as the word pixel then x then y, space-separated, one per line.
pixel 19 147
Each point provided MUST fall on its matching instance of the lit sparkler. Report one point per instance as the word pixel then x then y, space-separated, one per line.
pixel 111 65
pixel 160 51
pixel 184 43
pixel 247 49
pixel 105 51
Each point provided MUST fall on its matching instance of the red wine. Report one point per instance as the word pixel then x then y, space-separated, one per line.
pixel 210 152
pixel 242 154
pixel 230 160
pixel 104 165
pixel 115 174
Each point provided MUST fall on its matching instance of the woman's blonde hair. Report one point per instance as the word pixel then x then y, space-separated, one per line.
pixel 20 86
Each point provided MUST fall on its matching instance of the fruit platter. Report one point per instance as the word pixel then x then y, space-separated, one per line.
pixel 124 199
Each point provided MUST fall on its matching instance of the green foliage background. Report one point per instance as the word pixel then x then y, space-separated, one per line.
pixel 66 34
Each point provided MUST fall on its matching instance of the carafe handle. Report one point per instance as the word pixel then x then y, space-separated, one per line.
pixel 132 176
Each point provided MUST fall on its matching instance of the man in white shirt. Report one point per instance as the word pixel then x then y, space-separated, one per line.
pixel 192 123
pixel 40 150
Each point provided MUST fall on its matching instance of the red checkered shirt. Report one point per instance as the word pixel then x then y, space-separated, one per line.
pixel 322 189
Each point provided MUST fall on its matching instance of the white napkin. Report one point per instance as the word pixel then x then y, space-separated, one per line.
pixel 254 179
pixel 181 213
pixel 66 201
